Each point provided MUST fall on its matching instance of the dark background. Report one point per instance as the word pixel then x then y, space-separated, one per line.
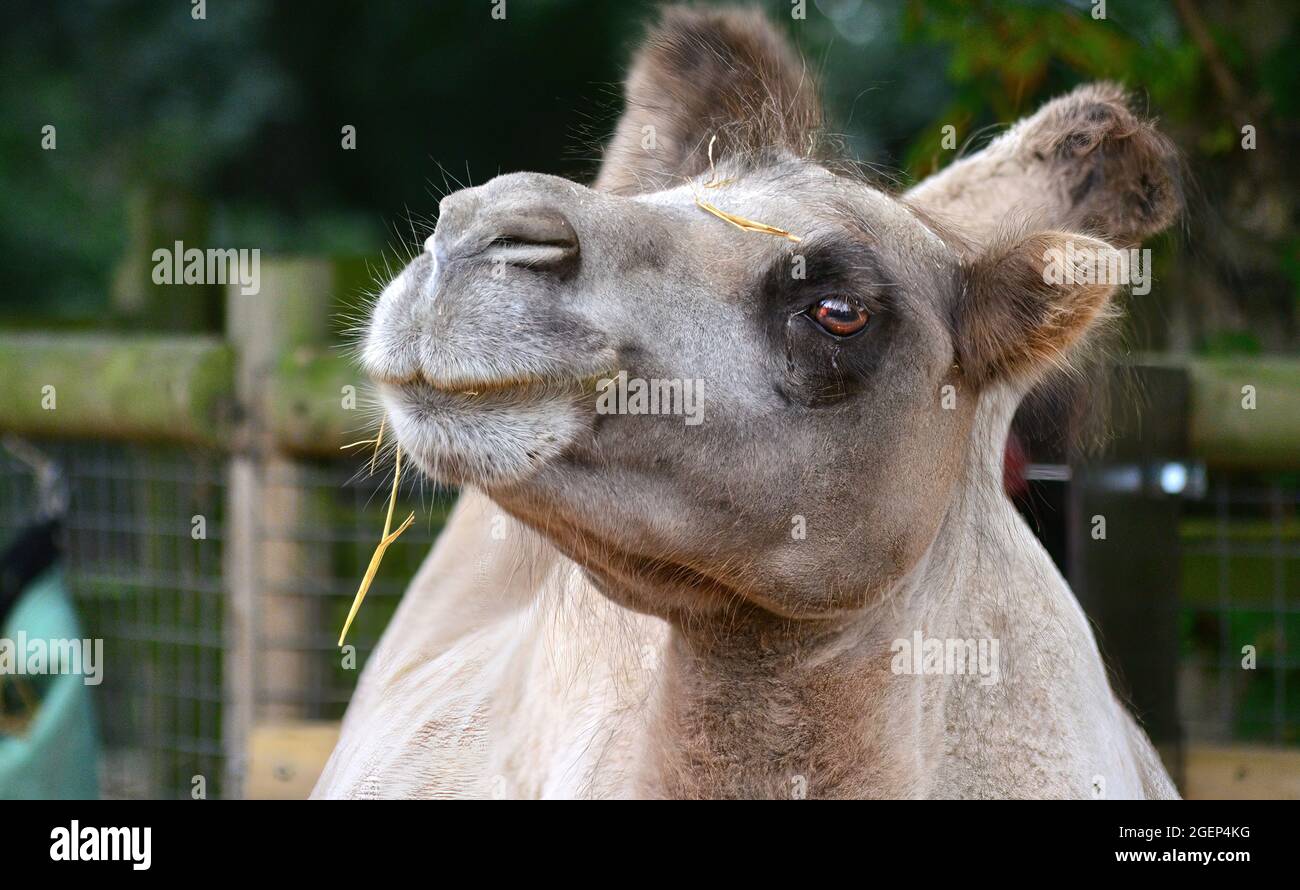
pixel 226 131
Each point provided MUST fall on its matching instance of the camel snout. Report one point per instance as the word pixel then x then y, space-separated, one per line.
pixel 516 220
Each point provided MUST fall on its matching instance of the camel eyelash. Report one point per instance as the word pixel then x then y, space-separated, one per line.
pixel 800 281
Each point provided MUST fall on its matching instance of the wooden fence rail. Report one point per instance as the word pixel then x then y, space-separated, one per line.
pixel 98 386
pixel 182 389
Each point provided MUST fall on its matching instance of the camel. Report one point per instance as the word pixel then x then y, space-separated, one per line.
pixel 768 603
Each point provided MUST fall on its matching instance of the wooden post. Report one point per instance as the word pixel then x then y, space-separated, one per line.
pixel 239 575
pixel 246 333
pixel 289 313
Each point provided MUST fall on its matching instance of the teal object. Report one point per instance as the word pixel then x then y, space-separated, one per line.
pixel 57 757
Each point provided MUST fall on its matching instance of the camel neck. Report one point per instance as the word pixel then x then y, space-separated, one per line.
pixel 824 718
pixel 850 709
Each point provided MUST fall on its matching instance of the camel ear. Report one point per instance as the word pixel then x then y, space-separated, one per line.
pixel 1084 161
pixel 1026 302
pixel 703 73
pixel 1120 175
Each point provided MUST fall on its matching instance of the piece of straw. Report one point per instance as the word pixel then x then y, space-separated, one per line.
pixel 714 182
pixel 376 441
pixel 384 541
pixel 745 225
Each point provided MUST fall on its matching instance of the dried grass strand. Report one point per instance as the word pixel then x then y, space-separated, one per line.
pixel 745 225
pixel 377 557
pixel 740 222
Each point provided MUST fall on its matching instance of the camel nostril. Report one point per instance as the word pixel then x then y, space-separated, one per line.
pixel 532 238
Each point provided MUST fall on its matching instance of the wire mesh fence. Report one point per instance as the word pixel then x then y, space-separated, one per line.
pixel 150 585
pixel 152 593
pixel 143 540
pixel 315 544
pixel 1240 678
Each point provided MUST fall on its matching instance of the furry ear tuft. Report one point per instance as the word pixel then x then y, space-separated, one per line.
pixel 1085 161
pixel 1025 303
pixel 703 73
pixel 1127 174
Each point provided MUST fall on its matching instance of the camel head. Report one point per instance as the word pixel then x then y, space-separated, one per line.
pixel 731 373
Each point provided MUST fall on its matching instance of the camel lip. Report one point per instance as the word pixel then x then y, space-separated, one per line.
pixel 495 437
pixel 465 386
pixel 469 386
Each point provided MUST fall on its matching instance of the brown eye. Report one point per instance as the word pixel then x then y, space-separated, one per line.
pixel 839 317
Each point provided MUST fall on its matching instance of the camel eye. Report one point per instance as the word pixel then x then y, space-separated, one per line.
pixel 839 317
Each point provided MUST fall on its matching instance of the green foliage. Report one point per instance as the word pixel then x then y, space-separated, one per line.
pixel 1206 70
pixel 241 114
pixel 235 122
